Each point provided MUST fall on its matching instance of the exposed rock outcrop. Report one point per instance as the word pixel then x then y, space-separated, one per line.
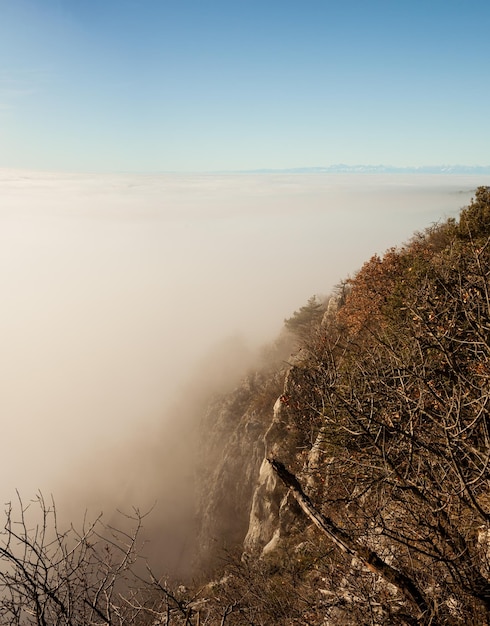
pixel 242 506
pixel 231 464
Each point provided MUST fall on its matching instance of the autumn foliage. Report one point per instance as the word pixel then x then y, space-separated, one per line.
pixel 400 385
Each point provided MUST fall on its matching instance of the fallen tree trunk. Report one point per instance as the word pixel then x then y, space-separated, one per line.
pixel 353 547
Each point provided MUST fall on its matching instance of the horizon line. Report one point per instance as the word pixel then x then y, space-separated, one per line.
pixel 338 168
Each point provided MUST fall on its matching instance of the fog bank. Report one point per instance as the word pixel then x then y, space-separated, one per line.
pixel 115 286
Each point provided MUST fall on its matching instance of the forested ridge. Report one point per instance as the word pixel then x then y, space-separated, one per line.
pixel 394 389
pixel 352 476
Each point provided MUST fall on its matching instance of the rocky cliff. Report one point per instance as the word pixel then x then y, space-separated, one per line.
pixel 231 456
pixel 380 418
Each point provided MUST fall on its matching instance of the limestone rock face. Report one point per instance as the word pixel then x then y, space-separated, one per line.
pixel 231 463
pixel 264 514
pixel 241 506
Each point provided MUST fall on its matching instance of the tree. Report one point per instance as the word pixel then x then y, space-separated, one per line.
pixel 304 321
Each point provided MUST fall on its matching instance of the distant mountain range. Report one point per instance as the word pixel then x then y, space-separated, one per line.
pixel 341 168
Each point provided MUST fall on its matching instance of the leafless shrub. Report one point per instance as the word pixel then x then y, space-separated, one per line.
pixel 92 576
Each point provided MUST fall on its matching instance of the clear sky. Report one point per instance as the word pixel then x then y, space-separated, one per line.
pixel 195 85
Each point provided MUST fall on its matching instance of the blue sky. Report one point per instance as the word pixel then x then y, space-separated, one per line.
pixel 188 85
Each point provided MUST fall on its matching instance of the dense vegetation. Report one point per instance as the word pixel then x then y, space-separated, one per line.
pixel 399 393
pixel 391 399
pixel 388 406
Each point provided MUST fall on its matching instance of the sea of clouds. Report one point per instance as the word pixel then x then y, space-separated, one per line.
pixel 115 287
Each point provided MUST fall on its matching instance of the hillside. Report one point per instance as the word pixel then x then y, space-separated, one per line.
pixel 379 421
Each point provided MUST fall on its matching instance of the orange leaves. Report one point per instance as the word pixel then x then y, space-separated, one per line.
pixel 377 290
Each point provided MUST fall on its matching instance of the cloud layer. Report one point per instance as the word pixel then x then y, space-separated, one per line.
pixel 114 287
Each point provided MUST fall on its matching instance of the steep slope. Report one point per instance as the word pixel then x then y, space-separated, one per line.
pixel 233 430
pixel 383 418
